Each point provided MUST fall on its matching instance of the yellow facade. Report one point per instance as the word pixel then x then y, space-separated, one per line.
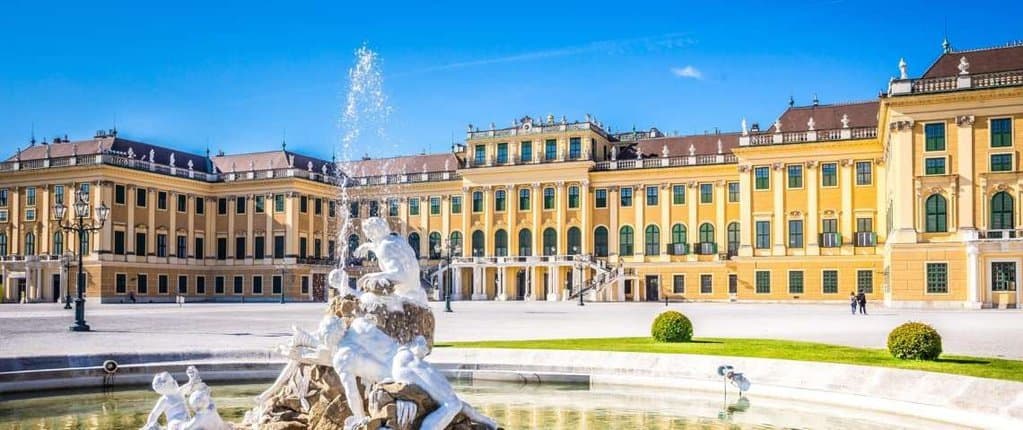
pixel 829 200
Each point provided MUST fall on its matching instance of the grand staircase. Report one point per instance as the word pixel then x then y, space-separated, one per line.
pixel 605 273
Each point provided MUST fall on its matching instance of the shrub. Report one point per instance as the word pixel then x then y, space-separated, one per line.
pixel 671 326
pixel 914 341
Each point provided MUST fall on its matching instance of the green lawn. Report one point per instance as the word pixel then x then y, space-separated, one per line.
pixel 780 349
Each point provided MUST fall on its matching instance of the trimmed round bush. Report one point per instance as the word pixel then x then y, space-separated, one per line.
pixel 671 326
pixel 914 341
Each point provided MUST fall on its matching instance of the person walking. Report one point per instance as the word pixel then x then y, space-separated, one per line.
pixel 853 301
pixel 861 298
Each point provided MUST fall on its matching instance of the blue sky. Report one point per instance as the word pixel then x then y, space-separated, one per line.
pixel 240 76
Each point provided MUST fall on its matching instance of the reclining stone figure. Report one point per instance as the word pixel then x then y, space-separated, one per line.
pixel 399 268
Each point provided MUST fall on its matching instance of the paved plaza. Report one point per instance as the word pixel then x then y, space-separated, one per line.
pixel 41 329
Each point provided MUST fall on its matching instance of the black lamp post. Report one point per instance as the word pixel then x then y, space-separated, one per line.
pixel 66 259
pixel 284 273
pixel 82 225
pixel 446 252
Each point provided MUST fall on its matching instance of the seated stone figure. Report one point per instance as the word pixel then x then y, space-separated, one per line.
pixel 171 405
pixel 399 268
pixel 194 383
pixel 206 416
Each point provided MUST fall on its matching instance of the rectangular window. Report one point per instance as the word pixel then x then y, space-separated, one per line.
pixel 706 284
pixel 182 203
pixel 706 193
pixel 118 243
pixel 30 196
pixel 733 192
pixel 140 197
pixel 865 281
pixel 221 248
pixel 456 204
pixel 83 189
pixel 481 155
pixel 140 244
pixel 121 283
pixel 934 137
pixel 142 283
pixel 162 284
pixel 762 176
pixel 200 249
pixel 548 198
pixel 304 286
pixel 795 172
pixel 763 234
pixel 829 225
pixel 413 206
pixel 435 205
pixel 331 247
pixel 303 204
pixel 500 200
pixel 796 233
pixel 573 197
pixel 575 148
pixel 763 282
pixel 200 206
pixel 477 201
pixel 119 195
pixel 58 194
pixel 238 285
pixel 218 285
pixel 221 206
pixel 239 248
pixel 651 196
pixel 257 285
pixel 678 194
pixel 161 245
pixel 829 175
pixel 200 285
pixel 524 199
pixel 600 198
pixel 934 166
pixel 259 247
pixel 260 204
pixel 1001 162
pixel 392 207
pixel 1001 132
pixel 502 153
pixel 796 282
pixel 161 200
pixel 181 248
pixel 279 246
pixel 318 206
pixel 626 197
pixel 678 284
pixel 829 282
pixel 1003 276
pixel 302 245
pixel 526 151
pixel 317 245
pixel 864 173
pixel 937 278
pixel 278 203
pixel 550 150
pixel 332 208
pixel 182 284
pixel 276 285
pixel 239 205
pixel 353 209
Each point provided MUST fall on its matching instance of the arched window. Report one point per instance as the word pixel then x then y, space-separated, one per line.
pixel 477 243
pixel 1002 211
pixel 413 241
pixel 30 243
pixel 575 241
pixel 653 240
pixel 501 243
pixel 678 234
pixel 937 214
pixel 456 244
pixel 706 233
pixel 626 239
pixel 550 242
pixel 3 244
pixel 733 237
pixel 600 241
pixel 58 243
pixel 353 242
pixel 434 245
pixel 525 242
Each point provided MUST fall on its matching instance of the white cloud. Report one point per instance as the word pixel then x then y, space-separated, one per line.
pixel 687 72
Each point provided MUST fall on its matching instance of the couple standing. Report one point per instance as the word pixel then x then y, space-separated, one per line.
pixel 858 300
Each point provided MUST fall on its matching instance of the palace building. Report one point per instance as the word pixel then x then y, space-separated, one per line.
pixel 912 198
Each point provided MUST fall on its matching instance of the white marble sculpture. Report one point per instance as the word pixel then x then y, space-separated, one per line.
pixel 175 402
pixel 172 160
pixel 171 405
pixel 206 416
pixel 399 268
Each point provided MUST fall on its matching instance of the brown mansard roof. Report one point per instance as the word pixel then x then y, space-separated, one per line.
pixel 989 60
pixel 703 144
pixel 406 164
pixel 278 159
pixel 826 117
pixel 112 144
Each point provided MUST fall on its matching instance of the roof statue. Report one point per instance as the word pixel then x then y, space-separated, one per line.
pixel 468 128
pixel 493 126
pixel 190 164
pixel 252 165
pixel 323 169
pixel 845 121
pixel 234 167
pixel 777 125
pixel 692 150
pixel 719 146
pixel 271 164
pixel 131 152
pixel 810 124
pixel 902 69
pixel 664 151
pixel 172 161
pixel 152 156
pixel 309 166
pixel 614 153
pixel 589 118
pixel 964 66
pixel 564 120
pixel 550 118
pixel 74 149
pixel 291 160
pixel 47 151
pixel 447 163
pixel 745 131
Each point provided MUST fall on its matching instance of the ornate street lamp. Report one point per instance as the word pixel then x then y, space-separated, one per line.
pixel 66 261
pixel 446 251
pixel 82 225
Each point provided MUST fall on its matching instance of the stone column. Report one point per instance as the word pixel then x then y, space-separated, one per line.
pixel 250 209
pixel 663 199
pixel 290 226
pixel 43 207
pixel 232 204
pixel 488 221
pixel 552 283
pixel 693 232
pixel 778 221
pixel 613 198
pixel 502 285
pixel 901 169
pixel 847 217
pixel 810 227
pixel 584 210
pixel 172 229
pixel 965 155
pixel 268 234
pixel 560 208
pixel 745 212
pixel 721 229
pixel 151 224
pixel 639 203
pixel 973 294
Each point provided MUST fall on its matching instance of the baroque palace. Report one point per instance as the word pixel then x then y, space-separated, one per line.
pixel 912 198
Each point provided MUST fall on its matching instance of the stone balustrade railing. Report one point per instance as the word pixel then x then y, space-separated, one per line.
pixel 953 83
pixel 808 136
pixel 674 161
pixel 533 129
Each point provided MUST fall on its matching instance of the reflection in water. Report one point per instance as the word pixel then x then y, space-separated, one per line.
pixel 555 407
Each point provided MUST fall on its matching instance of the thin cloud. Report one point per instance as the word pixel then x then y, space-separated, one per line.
pixel 687 72
pixel 650 43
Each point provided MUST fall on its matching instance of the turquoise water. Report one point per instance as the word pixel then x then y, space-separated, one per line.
pixel 554 407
